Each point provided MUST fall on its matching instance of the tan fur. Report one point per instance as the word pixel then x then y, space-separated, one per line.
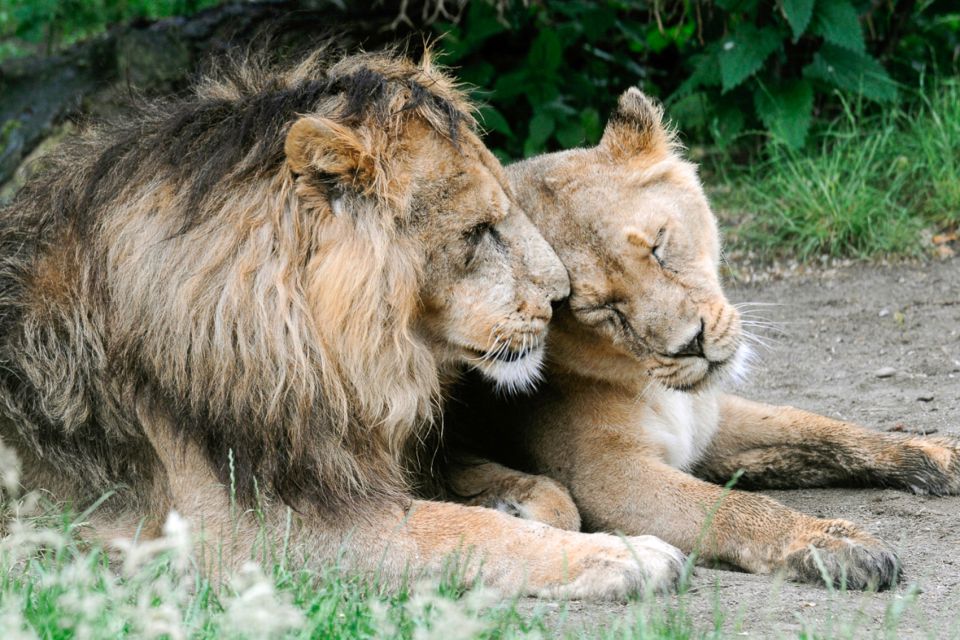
pixel 632 404
pixel 245 305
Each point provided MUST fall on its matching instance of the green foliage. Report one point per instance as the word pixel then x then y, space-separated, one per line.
pixel 550 71
pixel 869 187
pixel 931 149
pixel 743 53
pixel 41 26
pixel 726 69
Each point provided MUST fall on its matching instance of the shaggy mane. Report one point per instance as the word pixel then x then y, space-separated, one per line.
pixel 164 265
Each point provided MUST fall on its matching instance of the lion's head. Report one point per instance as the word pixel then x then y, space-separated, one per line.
pixel 476 281
pixel 283 265
pixel 630 221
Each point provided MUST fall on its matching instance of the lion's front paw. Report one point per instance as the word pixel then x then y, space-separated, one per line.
pixel 836 551
pixel 618 568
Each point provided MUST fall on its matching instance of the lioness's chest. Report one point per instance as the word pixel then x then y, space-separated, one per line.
pixel 678 424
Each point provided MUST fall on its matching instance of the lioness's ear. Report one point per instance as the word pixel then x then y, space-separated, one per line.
pixel 323 146
pixel 636 127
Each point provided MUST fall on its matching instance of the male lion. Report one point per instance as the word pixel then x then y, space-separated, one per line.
pixel 258 293
pixel 632 410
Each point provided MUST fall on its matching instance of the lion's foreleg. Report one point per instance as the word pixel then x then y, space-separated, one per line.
pixel 482 483
pixel 783 447
pixel 185 481
pixel 520 556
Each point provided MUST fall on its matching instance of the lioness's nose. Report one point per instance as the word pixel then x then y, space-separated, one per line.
pixel 694 347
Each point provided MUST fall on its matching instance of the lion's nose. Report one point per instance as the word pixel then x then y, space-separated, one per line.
pixel 694 347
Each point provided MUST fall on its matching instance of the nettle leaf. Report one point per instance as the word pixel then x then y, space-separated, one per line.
pixel 592 125
pixel 786 110
pixel 837 21
pixel 727 122
pixel 483 22
pixel 852 71
pixel 744 52
pixel 706 73
pixel 493 120
pixel 541 126
pixel 546 52
pixel 511 84
pixel 737 5
pixel 798 14
pixel 571 134
pixel 691 112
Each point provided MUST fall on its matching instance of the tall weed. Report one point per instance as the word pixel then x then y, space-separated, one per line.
pixel 870 185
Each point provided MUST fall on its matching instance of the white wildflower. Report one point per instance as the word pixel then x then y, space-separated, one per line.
pixel 257 610
pixel 9 470
pixel 157 617
pixel 174 544
pixel 383 624
pixel 440 618
pixel 23 539
pixel 12 623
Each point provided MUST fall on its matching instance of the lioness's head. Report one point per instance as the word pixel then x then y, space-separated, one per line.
pixel 630 221
pixel 422 241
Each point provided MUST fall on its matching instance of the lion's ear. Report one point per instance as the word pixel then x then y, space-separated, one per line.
pixel 321 145
pixel 635 128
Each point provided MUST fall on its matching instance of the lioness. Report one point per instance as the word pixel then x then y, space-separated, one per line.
pixel 259 292
pixel 632 419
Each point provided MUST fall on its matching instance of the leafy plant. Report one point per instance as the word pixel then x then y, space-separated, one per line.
pixel 869 185
pixel 41 26
pixel 724 68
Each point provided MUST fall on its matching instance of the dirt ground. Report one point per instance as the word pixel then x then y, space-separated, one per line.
pixel 839 328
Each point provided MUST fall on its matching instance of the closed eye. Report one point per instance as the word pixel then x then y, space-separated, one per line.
pixel 475 234
pixel 595 314
pixel 657 250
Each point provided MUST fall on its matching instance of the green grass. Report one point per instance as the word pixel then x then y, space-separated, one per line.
pixel 869 186
pixel 54 586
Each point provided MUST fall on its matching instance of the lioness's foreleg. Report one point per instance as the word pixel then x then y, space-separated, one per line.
pixel 480 482
pixel 624 490
pixel 783 447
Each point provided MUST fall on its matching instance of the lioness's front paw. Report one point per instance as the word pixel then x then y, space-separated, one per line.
pixel 929 466
pixel 618 568
pixel 838 552
pixel 537 498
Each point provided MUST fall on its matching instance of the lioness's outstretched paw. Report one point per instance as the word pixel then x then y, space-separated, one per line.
pixel 836 551
pixel 930 466
pixel 617 568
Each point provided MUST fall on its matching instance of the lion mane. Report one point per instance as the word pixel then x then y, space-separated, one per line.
pixel 170 264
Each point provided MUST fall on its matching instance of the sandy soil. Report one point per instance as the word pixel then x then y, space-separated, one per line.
pixel 840 327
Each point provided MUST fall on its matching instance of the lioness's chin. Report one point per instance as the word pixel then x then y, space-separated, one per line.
pixel 699 374
pixel 519 374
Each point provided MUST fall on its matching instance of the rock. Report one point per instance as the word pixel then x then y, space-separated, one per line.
pixel 884 312
pixel 885 372
pixel 925 396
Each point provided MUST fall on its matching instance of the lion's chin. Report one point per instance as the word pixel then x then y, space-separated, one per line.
pixel 516 376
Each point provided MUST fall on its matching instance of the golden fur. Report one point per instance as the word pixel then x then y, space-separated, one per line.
pixel 261 290
pixel 632 406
